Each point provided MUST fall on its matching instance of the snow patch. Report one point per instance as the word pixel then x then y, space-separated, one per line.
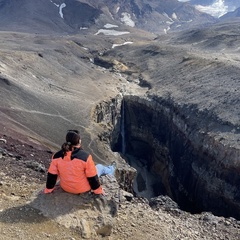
pixel 110 32
pixel 126 19
pixel 174 16
pixel 188 21
pixel 117 9
pixel 83 28
pixel 108 25
pixel 166 15
pixel 57 5
pixel 217 9
pixel 63 5
pixel 166 30
pixel 117 45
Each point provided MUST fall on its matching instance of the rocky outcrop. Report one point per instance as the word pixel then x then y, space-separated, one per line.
pixel 92 215
pixel 108 115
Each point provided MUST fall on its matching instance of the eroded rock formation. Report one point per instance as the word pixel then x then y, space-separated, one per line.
pixel 181 147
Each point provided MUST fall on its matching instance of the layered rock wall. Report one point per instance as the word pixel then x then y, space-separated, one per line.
pixel 198 169
pixel 187 150
pixel 108 115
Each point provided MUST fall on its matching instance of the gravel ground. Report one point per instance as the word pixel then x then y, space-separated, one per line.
pixel 23 171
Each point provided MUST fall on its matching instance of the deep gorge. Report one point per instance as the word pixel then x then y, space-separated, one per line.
pixel 179 153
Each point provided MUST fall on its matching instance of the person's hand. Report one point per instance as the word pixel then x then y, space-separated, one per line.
pixel 47 191
pixel 98 191
pixel 102 193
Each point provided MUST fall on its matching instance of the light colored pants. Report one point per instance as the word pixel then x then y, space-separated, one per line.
pixel 104 170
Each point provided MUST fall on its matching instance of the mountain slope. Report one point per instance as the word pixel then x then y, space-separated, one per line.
pixel 31 16
pixel 72 15
pixel 233 14
pixel 45 16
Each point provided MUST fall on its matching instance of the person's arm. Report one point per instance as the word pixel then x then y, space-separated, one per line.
pixel 51 181
pixel 51 177
pixel 92 176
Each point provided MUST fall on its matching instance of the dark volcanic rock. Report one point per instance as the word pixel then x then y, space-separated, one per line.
pixel 196 168
pixel 163 202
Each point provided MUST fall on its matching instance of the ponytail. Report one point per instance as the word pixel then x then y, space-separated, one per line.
pixel 72 139
pixel 66 147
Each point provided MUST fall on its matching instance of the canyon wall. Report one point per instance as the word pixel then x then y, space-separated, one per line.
pixel 186 149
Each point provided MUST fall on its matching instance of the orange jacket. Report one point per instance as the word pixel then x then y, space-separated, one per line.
pixel 76 171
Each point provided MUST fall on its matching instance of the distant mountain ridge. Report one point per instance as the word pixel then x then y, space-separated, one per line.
pixel 216 8
pixel 231 4
pixel 72 16
pixel 158 16
pixel 233 14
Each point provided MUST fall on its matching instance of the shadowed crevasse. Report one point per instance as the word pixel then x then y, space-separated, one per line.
pixel 178 149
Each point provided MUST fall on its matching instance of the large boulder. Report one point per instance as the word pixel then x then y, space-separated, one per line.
pixel 91 214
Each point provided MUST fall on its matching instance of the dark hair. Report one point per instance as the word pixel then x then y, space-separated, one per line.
pixel 72 139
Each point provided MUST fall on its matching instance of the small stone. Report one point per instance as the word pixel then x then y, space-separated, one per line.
pixel 3 140
pixel 18 157
pixel 86 230
pixel 227 223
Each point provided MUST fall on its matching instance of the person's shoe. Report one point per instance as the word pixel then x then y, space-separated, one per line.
pixel 114 164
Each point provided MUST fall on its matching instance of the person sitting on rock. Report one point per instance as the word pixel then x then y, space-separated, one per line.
pixel 75 168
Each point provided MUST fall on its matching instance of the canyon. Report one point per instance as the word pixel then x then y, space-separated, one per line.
pixel 166 105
